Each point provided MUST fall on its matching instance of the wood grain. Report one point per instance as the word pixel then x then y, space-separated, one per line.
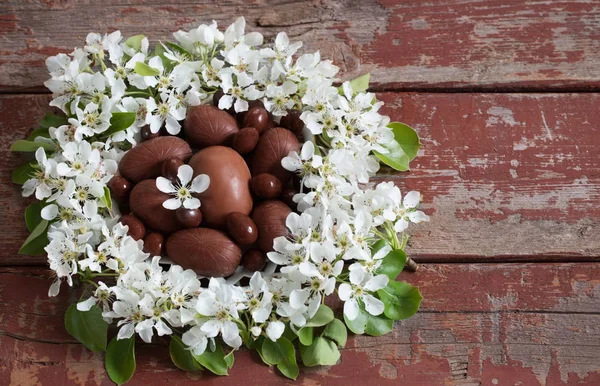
pixel 534 323
pixel 487 44
pixel 504 176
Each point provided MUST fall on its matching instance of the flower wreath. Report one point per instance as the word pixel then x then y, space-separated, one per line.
pixel 344 237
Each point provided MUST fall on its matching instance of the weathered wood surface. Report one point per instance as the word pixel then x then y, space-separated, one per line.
pixel 404 44
pixel 479 324
pixel 504 176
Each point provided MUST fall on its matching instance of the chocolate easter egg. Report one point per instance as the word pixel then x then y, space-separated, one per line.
pixel 146 202
pixel 266 185
pixel 145 160
pixel 245 141
pixel 241 228
pixel 229 189
pixel 254 260
pixel 154 243
pixel 208 252
pixel 136 228
pixel 269 217
pixel 258 117
pixel 207 125
pixel 292 122
pixel 273 146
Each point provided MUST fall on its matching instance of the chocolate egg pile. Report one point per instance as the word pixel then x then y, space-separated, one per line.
pixel 245 205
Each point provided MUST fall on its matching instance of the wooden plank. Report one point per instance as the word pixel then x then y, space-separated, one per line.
pixel 504 176
pixel 404 44
pixel 479 324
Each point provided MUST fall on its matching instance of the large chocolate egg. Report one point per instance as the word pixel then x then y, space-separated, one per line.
pixel 273 146
pixel 145 160
pixel 208 252
pixel 207 125
pixel 269 217
pixel 229 189
pixel 146 202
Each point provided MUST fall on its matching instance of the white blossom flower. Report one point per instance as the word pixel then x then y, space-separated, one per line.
pixel 182 189
pixel 218 303
pixel 361 285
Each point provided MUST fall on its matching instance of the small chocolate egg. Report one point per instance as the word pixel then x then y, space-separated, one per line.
pixel 229 189
pixel 207 125
pixel 292 122
pixel 144 161
pixel 147 134
pixel 269 217
pixel 137 230
pixel 154 244
pixel 258 117
pixel 188 218
pixel 241 228
pixel 207 251
pixel 120 188
pixel 170 168
pixel 273 146
pixel 245 141
pixel 266 185
pixel 254 260
pixel 287 196
pixel 146 201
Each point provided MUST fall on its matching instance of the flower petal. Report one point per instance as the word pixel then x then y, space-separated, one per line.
pixel 200 183
pixel 185 173
pixel 373 305
pixel 351 309
pixel 412 199
pixel 172 203
pixel 165 185
pixel 191 203
pixel 376 283
pixel 275 330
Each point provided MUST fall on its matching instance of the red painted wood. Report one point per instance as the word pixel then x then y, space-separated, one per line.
pixel 408 44
pixel 533 323
pixel 504 176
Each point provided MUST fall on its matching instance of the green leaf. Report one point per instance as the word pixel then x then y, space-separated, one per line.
pixel 370 324
pixel 53 120
pixel 145 70
pixel 358 84
pixel 31 146
pixel 305 335
pixel 361 83
pixel 336 331
pixel 119 122
pixel 321 352
pixel 214 361
pixel 23 172
pixel 401 300
pixel 392 264
pixel 229 359
pixel 33 215
pixel 106 200
pixel 41 132
pixel 404 148
pixel 37 240
pixel 88 327
pixel 282 354
pixel 135 42
pixel 289 333
pixel 119 360
pixel 181 356
pixel 323 316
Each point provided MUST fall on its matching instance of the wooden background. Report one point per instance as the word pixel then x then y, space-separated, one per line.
pixel 504 96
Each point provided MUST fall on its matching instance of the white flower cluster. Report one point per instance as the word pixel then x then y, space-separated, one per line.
pixel 339 222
